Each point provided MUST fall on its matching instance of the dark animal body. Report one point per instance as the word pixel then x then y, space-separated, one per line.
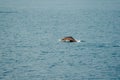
pixel 68 39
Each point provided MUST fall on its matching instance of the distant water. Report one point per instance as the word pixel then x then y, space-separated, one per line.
pixel 30 47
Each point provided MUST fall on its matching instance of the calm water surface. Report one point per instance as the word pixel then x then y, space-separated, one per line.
pixel 30 47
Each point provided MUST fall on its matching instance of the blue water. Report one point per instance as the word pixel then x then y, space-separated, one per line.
pixel 30 48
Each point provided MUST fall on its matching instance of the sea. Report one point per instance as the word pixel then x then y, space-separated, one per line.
pixel 30 32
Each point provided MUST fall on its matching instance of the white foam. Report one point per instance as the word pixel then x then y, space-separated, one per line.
pixel 78 40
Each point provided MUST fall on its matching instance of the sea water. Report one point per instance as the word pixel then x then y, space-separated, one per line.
pixel 30 48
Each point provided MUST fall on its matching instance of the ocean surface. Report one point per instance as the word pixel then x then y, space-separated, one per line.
pixel 30 48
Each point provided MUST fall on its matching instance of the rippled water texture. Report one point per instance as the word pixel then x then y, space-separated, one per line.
pixel 30 48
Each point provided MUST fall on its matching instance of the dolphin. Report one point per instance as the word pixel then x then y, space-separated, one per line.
pixel 68 39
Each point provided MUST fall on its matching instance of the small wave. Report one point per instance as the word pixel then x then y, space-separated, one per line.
pixel 80 41
pixel 116 45
pixel 7 12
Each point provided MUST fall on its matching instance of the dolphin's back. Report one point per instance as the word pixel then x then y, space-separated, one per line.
pixel 69 38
